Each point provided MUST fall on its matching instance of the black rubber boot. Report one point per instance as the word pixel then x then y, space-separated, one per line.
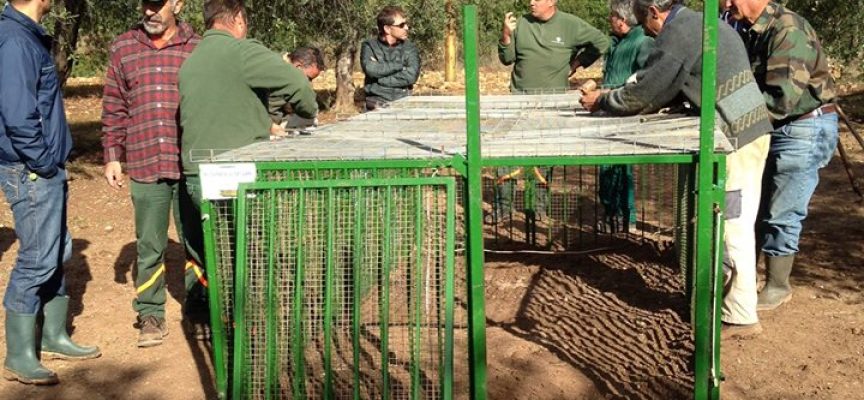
pixel 21 362
pixel 777 288
pixel 56 343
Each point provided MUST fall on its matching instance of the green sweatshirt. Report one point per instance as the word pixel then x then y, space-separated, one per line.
pixel 626 56
pixel 223 95
pixel 542 50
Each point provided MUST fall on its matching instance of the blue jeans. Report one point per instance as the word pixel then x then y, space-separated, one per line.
pixel 799 150
pixel 39 209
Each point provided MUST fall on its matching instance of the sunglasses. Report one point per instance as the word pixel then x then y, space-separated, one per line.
pixel 403 25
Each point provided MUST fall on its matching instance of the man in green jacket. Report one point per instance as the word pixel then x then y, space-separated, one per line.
pixel 627 54
pixel 390 61
pixel 223 105
pixel 546 46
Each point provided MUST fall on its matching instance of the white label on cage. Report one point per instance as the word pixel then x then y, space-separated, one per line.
pixel 220 181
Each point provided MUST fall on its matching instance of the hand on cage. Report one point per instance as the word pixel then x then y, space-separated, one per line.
pixel 299 125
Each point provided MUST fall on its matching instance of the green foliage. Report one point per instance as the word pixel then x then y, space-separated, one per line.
pixel 838 23
pixel 285 24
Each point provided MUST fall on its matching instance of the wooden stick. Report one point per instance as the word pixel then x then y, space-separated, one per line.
pixel 847 165
pixel 849 125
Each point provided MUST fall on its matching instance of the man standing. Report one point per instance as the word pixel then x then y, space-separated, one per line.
pixel 139 125
pixel 223 101
pixel 390 61
pixel 34 145
pixel 547 46
pixel 792 71
pixel 627 54
pixel 673 69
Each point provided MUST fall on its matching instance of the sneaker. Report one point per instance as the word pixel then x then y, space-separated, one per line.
pixel 198 328
pixel 151 332
pixel 739 332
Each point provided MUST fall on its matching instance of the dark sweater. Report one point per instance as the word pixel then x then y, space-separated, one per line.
pixel 675 67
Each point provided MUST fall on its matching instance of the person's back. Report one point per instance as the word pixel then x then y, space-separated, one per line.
pixel 223 95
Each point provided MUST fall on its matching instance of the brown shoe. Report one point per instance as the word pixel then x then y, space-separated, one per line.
pixel 151 332
pixel 739 332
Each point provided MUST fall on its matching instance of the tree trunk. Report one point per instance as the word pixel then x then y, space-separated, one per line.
pixel 450 44
pixel 346 53
pixel 66 31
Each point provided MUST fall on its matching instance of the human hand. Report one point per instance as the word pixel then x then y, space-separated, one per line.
pixel 589 100
pixel 114 174
pixel 508 28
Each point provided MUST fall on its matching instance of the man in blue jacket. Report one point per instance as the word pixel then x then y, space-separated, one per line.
pixel 34 145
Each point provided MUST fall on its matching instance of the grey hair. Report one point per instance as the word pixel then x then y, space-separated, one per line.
pixel 624 10
pixel 640 7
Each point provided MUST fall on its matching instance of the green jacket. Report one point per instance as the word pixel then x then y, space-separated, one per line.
pixel 626 55
pixel 391 72
pixel 542 50
pixel 223 95
pixel 789 63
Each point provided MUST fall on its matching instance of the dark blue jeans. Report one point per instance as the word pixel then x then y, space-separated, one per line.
pixel 798 151
pixel 39 209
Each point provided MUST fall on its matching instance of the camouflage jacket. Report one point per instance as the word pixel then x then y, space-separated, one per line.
pixel 789 63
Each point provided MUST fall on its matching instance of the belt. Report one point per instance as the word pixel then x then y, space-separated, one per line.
pixel 825 109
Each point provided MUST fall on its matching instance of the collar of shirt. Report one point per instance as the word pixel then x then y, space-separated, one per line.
pixel 765 19
pixel 184 33
pixel 673 13
pixel 12 14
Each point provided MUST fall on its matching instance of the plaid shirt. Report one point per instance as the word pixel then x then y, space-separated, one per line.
pixel 140 104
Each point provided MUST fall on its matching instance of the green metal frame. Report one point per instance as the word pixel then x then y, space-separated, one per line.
pixel 298 351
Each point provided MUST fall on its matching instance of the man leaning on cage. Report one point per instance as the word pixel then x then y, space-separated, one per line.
pixel 389 60
pixel 627 54
pixel 310 60
pixel 35 143
pixel 545 47
pixel 674 68
pixel 221 104
pixel 792 71
pixel 139 126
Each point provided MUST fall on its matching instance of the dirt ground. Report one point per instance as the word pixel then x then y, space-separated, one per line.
pixel 560 327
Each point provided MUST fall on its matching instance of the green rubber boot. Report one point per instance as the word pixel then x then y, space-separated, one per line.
pixel 21 363
pixel 777 288
pixel 56 343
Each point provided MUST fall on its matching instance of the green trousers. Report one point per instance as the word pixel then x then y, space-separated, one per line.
pixel 616 193
pixel 196 304
pixel 153 204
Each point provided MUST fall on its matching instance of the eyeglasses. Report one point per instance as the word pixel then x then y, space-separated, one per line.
pixel 403 25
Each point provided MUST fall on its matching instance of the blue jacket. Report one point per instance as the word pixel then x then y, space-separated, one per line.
pixel 33 128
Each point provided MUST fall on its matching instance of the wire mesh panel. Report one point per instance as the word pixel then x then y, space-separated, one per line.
pixel 586 207
pixel 344 289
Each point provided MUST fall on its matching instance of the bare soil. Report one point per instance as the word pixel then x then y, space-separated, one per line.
pixel 604 326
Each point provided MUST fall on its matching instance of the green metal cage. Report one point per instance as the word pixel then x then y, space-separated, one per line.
pixel 364 278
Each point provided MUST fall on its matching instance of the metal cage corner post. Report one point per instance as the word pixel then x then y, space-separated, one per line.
pixel 709 224
pixel 476 300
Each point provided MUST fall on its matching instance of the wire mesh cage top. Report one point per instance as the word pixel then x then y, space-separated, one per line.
pixel 430 127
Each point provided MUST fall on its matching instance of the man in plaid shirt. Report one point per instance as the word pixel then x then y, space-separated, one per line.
pixel 139 125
